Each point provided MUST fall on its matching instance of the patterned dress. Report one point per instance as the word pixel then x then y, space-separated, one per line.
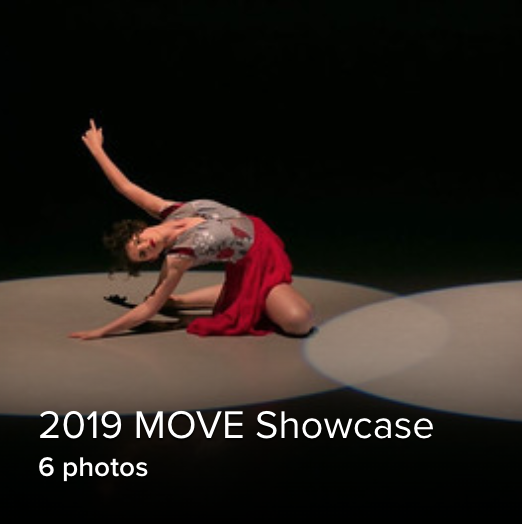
pixel 226 235
pixel 255 262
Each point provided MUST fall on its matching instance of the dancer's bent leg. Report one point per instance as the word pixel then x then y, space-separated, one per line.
pixel 199 298
pixel 287 308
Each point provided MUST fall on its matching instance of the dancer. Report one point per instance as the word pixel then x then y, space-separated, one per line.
pixel 257 296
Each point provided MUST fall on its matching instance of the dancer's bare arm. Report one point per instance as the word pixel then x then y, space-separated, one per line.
pixel 174 269
pixel 152 204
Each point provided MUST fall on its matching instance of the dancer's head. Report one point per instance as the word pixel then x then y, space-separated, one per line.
pixel 119 242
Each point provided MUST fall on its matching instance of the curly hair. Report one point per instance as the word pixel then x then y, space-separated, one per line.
pixel 116 242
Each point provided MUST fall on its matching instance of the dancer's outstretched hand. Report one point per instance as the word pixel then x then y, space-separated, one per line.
pixel 93 137
pixel 87 335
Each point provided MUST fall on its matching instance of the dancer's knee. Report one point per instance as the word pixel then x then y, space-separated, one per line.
pixel 298 320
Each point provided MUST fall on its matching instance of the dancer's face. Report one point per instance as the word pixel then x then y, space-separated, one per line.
pixel 145 246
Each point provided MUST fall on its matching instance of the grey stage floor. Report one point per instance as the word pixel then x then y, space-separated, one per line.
pixel 42 369
pixel 456 350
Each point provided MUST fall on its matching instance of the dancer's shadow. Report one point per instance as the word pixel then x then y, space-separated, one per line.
pixel 182 318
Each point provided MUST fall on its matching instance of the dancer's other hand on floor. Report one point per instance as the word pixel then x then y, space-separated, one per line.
pixel 87 335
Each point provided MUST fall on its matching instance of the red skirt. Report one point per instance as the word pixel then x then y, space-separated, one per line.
pixel 240 309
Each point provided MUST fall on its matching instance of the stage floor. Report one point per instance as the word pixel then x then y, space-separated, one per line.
pixel 157 368
pixel 449 358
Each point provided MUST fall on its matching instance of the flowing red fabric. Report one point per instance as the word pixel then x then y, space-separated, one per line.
pixel 240 309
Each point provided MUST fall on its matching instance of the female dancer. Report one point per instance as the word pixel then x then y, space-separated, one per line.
pixel 257 296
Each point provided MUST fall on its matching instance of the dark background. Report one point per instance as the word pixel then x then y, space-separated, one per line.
pixel 380 139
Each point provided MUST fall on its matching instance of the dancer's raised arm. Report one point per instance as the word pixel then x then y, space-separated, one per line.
pixel 152 204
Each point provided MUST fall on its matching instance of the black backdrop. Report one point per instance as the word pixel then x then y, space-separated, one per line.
pixel 380 139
